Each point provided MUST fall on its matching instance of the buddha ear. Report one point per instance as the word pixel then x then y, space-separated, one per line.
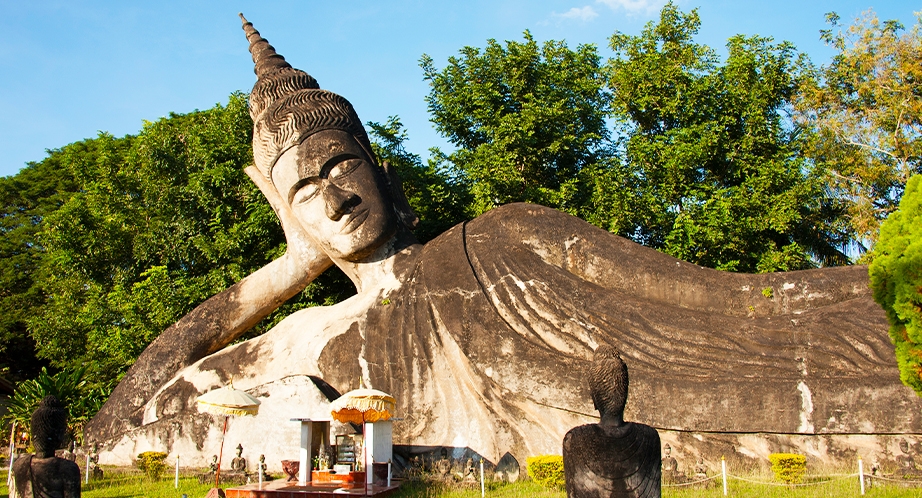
pixel 401 205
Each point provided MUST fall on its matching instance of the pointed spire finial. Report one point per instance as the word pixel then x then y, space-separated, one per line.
pixel 287 104
pixel 265 58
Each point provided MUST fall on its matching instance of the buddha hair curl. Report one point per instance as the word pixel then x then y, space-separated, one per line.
pixel 608 381
pixel 49 426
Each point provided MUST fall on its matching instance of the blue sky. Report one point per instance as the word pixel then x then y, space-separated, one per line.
pixel 73 68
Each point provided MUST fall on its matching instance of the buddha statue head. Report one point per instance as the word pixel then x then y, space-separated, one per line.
pixel 608 383
pixel 49 426
pixel 312 146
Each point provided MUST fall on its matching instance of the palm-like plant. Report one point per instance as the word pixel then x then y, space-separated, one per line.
pixel 67 385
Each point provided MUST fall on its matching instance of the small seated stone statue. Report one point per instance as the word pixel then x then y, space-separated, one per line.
pixel 670 466
pixel 613 458
pixel 906 462
pixel 95 469
pixel 208 475
pixel 239 464
pixel 669 463
pixel 701 470
pixel 44 475
pixel 262 467
pixel 470 474
pixel 442 466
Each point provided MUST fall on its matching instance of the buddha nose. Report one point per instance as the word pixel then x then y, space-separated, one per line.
pixel 339 202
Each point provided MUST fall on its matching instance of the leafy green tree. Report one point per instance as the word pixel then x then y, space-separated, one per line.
pixel 714 171
pixel 37 190
pixel 161 222
pixel 439 200
pixel 867 108
pixel 526 118
pixel 896 279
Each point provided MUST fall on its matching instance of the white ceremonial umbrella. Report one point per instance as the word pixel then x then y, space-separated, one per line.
pixel 227 401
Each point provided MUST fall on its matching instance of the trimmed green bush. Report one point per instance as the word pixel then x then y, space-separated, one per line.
pixel 547 470
pixel 896 279
pixel 152 463
pixel 788 467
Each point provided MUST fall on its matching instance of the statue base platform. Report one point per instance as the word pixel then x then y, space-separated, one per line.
pixel 281 489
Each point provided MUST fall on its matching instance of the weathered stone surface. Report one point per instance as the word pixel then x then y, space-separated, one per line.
pixel 482 333
pixel 750 451
pixel 483 347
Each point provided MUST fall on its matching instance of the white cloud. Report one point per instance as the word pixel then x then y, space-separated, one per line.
pixel 586 13
pixel 634 6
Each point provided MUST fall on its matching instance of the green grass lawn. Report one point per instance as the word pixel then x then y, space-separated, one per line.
pixel 134 485
pixel 115 485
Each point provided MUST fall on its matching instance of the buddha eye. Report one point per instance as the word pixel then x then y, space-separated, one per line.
pixel 344 168
pixel 307 192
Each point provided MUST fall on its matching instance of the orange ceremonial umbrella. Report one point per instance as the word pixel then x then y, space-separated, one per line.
pixel 363 405
pixel 360 406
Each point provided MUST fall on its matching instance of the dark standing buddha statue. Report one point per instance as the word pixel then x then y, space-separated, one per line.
pixel 43 475
pixel 613 458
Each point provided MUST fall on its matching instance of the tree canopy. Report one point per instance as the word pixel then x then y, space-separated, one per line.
pixel 701 160
pixel 38 190
pixel 159 222
pixel 716 171
pixel 867 109
pixel 526 118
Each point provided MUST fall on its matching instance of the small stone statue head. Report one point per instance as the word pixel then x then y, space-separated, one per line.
pixel 311 144
pixel 239 449
pixel 49 427
pixel 608 383
pixel 904 446
pixel 667 449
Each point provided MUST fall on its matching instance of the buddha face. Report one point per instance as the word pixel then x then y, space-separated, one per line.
pixel 337 195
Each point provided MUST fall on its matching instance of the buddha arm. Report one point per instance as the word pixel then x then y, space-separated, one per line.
pixel 215 323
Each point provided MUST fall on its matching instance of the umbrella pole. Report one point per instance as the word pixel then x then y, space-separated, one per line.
pixel 217 473
pixel 365 455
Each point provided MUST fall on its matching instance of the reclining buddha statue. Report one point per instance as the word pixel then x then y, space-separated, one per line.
pixel 482 333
